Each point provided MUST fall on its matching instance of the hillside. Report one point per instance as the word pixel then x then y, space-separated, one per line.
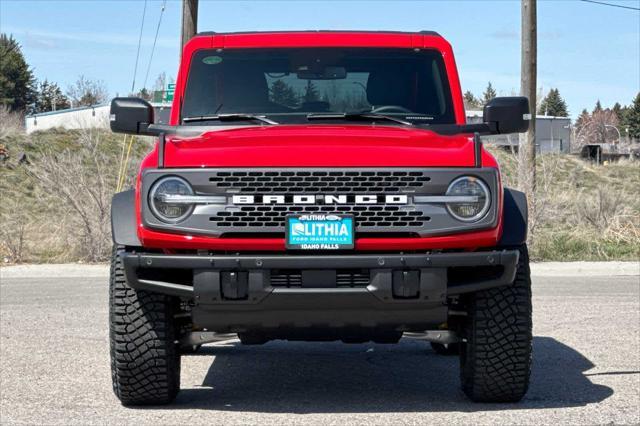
pixel 56 189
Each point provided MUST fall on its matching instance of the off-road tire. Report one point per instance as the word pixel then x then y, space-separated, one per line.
pixel 446 349
pixel 145 360
pixel 495 360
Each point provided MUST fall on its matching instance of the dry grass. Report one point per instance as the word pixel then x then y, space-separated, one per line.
pixel 56 204
pixel 583 211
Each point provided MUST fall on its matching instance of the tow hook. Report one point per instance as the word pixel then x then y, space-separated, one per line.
pixel 201 337
pixel 435 336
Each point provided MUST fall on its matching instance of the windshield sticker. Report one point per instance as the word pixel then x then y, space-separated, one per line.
pixel 212 60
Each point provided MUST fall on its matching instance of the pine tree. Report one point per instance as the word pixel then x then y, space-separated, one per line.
pixel 553 105
pixel 49 97
pixel 598 107
pixel 283 94
pixel 488 94
pixel 632 118
pixel 620 112
pixel 16 78
pixel 311 93
pixel 617 110
pixel 470 101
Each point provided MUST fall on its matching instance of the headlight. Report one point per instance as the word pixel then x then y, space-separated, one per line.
pixel 163 206
pixel 478 202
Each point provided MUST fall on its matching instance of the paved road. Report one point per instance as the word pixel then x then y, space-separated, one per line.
pixel 54 366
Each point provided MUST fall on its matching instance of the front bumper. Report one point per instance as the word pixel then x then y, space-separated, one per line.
pixel 399 292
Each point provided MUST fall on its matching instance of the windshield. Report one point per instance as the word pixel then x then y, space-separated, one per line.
pixel 287 85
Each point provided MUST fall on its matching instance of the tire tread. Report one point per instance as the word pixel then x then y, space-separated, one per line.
pixel 145 363
pixel 496 358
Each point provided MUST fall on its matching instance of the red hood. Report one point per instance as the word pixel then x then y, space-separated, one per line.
pixel 322 146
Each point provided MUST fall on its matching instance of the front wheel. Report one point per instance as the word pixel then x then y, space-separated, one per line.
pixel 145 359
pixel 495 360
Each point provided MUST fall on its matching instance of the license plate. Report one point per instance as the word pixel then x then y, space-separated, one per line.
pixel 319 232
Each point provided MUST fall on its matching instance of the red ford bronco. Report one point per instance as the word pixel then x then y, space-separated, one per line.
pixel 319 186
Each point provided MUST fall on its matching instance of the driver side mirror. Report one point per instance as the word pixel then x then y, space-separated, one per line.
pixel 507 115
pixel 130 115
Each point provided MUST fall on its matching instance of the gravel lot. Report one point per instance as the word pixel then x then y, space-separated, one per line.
pixel 54 363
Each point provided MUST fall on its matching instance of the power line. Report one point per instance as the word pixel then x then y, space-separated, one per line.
pixel 164 4
pixel 135 69
pixel 611 4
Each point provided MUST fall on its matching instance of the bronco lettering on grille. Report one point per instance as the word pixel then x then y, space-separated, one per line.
pixel 320 199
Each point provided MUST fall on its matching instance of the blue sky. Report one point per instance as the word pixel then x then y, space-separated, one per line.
pixel 586 50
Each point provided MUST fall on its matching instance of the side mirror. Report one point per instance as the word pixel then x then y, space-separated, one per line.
pixel 507 115
pixel 130 115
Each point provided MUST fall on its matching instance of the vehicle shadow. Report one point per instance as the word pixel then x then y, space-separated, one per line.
pixel 295 377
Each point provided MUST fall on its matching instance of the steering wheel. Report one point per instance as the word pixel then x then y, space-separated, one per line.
pixel 391 108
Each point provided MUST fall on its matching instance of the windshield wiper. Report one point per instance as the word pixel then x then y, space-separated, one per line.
pixel 229 117
pixel 356 116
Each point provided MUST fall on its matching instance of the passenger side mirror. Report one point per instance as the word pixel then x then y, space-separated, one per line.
pixel 507 115
pixel 130 115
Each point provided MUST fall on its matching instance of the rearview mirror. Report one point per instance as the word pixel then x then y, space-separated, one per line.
pixel 130 115
pixel 326 73
pixel 507 115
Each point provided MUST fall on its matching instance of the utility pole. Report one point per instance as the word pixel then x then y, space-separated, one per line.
pixel 189 21
pixel 527 149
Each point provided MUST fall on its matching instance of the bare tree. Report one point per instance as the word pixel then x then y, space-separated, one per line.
pixel 161 82
pixel 601 127
pixel 80 182
pixel 15 220
pixel 85 92
pixel 547 168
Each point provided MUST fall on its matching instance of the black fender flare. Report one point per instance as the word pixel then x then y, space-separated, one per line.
pixel 123 219
pixel 515 218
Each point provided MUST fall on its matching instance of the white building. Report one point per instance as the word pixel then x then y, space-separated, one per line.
pixel 73 118
pixel 96 116
pixel 553 134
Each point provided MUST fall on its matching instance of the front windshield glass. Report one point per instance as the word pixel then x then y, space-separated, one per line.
pixel 287 85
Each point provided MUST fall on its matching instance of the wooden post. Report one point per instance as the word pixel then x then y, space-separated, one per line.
pixel 527 149
pixel 189 21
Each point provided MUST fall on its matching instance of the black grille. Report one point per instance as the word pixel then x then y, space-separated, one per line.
pixel 342 181
pixel 352 279
pixel 335 191
pixel 379 216
pixel 344 278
